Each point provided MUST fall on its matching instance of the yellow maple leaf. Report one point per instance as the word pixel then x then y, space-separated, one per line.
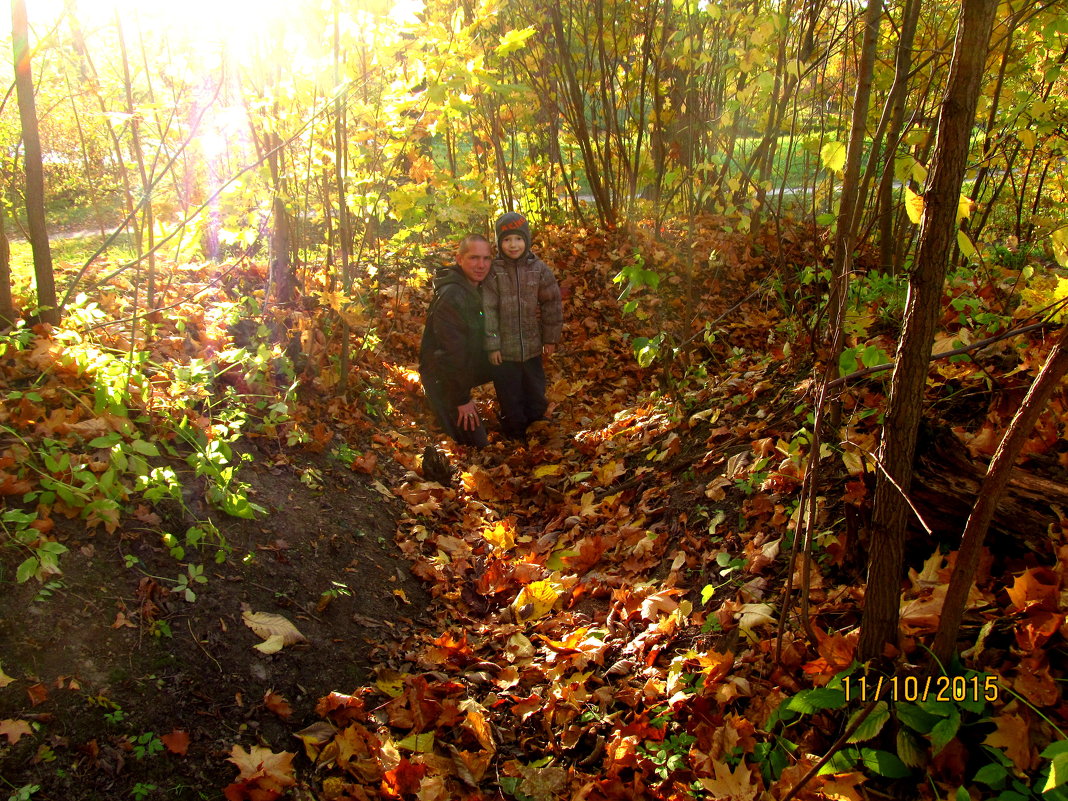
pixel 728 786
pixel 501 536
pixel 608 473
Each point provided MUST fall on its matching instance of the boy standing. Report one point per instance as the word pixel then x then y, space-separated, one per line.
pixel 524 317
pixel 452 359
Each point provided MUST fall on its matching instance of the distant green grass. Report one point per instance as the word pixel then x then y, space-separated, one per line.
pixel 67 253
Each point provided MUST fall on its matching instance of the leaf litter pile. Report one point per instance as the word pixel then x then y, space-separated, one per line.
pixel 595 614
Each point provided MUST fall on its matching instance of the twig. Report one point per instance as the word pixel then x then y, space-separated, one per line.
pixel 200 645
pixel 896 486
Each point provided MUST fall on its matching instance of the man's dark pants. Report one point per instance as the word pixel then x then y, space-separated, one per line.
pixel 444 409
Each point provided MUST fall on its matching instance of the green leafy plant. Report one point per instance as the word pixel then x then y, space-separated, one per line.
pixel 43 558
pixel 193 575
pixel 146 745
pixel 669 755
pixel 24 793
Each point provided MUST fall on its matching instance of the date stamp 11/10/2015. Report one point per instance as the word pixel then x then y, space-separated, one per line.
pixel 975 688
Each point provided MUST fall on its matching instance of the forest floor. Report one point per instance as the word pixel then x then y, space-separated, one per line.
pixel 592 614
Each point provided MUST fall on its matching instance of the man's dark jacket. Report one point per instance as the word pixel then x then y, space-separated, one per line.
pixel 452 352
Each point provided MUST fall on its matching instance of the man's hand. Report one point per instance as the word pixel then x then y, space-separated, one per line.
pixel 495 357
pixel 548 349
pixel 467 416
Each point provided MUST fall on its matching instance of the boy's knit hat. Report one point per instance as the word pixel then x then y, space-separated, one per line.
pixel 512 223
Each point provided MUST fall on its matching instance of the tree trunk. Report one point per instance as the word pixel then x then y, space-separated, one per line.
pixel 847 208
pixel 997 478
pixel 7 307
pixel 895 104
pixel 35 194
pixel 938 237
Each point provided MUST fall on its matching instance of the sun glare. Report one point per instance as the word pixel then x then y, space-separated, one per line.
pixel 234 24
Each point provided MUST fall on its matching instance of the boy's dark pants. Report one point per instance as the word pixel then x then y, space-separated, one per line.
pixel 445 410
pixel 520 390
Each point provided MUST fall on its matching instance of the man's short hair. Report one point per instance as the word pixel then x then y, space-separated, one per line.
pixel 468 241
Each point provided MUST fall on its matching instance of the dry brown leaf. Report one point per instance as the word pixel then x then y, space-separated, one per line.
pixel 1014 736
pixel 13 730
pixel 277 704
pixel 177 742
pixel 274 629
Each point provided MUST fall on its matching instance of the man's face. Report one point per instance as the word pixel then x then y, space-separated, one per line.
pixel 475 261
pixel 513 246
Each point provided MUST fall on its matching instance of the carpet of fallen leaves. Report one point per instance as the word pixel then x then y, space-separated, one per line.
pixel 605 616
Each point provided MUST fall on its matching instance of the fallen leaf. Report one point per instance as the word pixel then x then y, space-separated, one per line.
pixel 38 694
pixel 4 679
pixel 263 774
pixel 501 536
pixel 177 742
pixel 272 645
pixel 121 621
pixel 1038 586
pixel 275 629
pixel 1014 737
pixel 420 743
pixel 535 600
pixel 548 470
pixel 315 737
pixel 13 730
pixel 731 786
pixel 277 704
pixel 403 779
